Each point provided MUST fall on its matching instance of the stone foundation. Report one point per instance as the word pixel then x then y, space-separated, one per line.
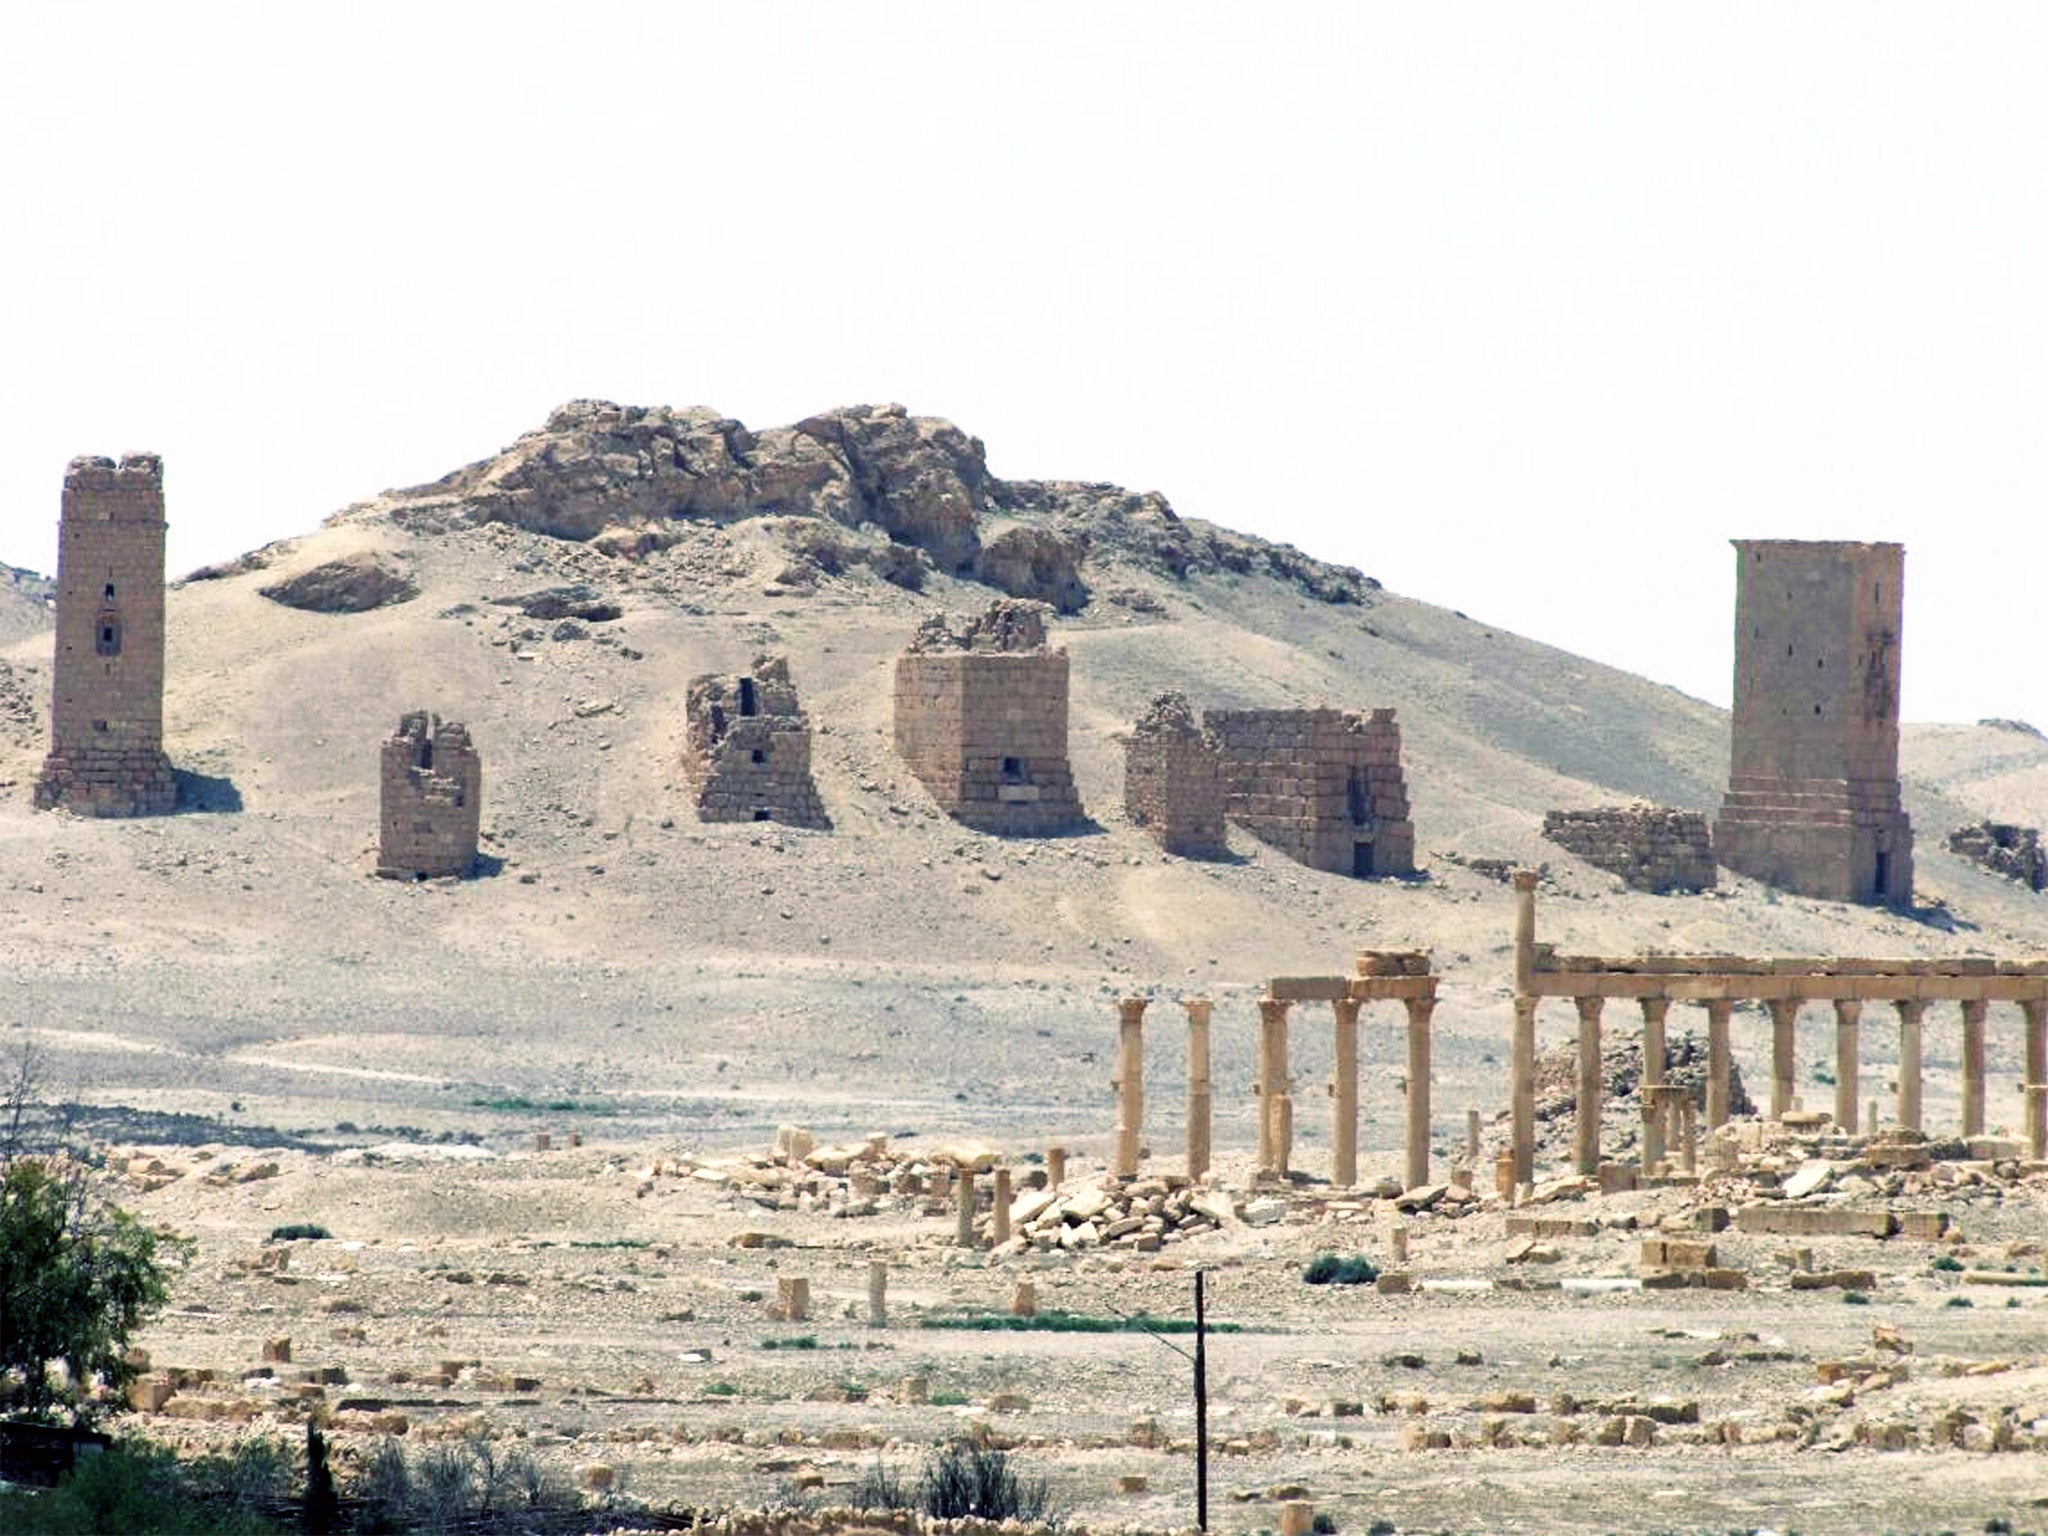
pixel 1322 786
pixel 748 756
pixel 1650 847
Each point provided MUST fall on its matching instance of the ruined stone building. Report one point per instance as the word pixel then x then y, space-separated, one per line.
pixel 432 790
pixel 1813 775
pixel 1173 780
pixel 107 700
pixel 1652 847
pixel 981 718
pixel 748 752
pixel 1321 785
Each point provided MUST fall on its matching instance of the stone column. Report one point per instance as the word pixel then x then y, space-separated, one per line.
pixel 1718 1010
pixel 1655 1011
pixel 1586 1135
pixel 2035 1082
pixel 1784 1054
pixel 963 1188
pixel 1130 1085
pixel 1055 1167
pixel 1688 1134
pixel 878 1293
pixel 1848 1061
pixel 1276 1103
pixel 1198 1011
pixel 999 1209
pixel 1344 1089
pixel 1655 1114
pixel 1522 1092
pixel 1524 882
pixel 1973 1066
pixel 1911 1011
pixel 1419 1011
pixel 1472 1135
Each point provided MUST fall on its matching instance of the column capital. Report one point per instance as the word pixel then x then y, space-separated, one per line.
pixel 1719 1008
pixel 1346 1008
pixel 1273 1010
pixel 1911 1009
pixel 1420 1009
pixel 1974 1009
pixel 1655 1007
pixel 1198 1009
pixel 1523 879
pixel 1132 1009
pixel 1589 1007
pixel 1848 1009
pixel 1783 1009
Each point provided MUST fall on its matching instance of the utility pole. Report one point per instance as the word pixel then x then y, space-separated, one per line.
pixel 1201 1410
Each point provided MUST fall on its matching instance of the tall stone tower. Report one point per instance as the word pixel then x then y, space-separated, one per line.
pixel 107 702
pixel 1813 774
pixel 430 797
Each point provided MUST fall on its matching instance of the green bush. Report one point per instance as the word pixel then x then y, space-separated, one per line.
pixel 1959 1301
pixel 1948 1263
pixel 1329 1269
pixel 965 1482
pixel 1855 1299
pixel 296 1231
pixel 138 1488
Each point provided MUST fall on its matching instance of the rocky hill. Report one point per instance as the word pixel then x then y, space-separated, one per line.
pixel 25 600
pixel 620 958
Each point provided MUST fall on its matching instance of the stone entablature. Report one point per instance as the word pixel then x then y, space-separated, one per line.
pixel 748 751
pixel 1652 847
pixel 1813 778
pixel 1783 985
pixel 1173 780
pixel 431 789
pixel 107 696
pixel 1321 785
pixel 981 718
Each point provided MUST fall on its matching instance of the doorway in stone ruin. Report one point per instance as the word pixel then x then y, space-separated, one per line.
pixel 1361 861
pixel 748 704
pixel 1884 874
pixel 1354 799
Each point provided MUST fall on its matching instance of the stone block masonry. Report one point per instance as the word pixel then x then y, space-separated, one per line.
pixel 981 718
pixel 107 700
pixel 1173 780
pixel 432 785
pixel 1323 786
pixel 748 753
pixel 1651 847
pixel 1813 774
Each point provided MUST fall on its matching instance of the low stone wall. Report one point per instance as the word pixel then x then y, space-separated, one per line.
pixel 1651 847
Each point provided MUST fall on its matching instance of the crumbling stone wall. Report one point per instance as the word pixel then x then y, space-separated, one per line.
pixel 1652 847
pixel 107 699
pixel 981 718
pixel 432 785
pixel 1173 780
pixel 1813 775
pixel 2015 852
pixel 748 754
pixel 1321 785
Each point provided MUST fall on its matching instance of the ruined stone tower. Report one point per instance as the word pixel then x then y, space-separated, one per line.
pixel 432 791
pixel 981 717
pixel 748 755
pixel 1323 786
pixel 1813 773
pixel 1173 780
pixel 107 700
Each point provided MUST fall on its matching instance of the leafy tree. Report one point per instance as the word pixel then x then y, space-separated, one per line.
pixel 77 1275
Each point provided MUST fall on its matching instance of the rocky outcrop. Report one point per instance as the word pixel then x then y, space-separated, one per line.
pixel 1037 563
pixel 27 604
pixel 1011 625
pixel 352 584
pixel 631 479
pixel 2015 852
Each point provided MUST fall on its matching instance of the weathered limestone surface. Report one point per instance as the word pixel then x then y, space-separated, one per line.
pixel 1813 777
pixel 1322 786
pixel 748 751
pixel 1173 780
pixel 2015 852
pixel 981 718
pixel 107 698
pixel 1651 847
pixel 432 787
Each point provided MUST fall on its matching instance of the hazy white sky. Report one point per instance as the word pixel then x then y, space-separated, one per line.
pixel 1523 309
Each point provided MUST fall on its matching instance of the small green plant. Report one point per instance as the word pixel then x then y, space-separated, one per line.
pixel 1324 1523
pixel 1380 1527
pixel 881 1488
pixel 1855 1299
pixel 797 1341
pixel 1069 1322
pixel 1959 1301
pixel 1330 1269
pixel 1947 1263
pixel 966 1482
pixel 949 1399
pixel 297 1231
pixel 721 1389
pixel 855 1392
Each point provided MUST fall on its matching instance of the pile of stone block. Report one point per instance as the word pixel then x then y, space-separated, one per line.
pixel 1651 847
pixel 1141 1216
pixel 2015 852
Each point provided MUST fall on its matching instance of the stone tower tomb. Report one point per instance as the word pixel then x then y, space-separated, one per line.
pixel 748 754
pixel 981 718
pixel 1813 773
pixel 1173 780
pixel 432 791
pixel 107 698
pixel 1324 786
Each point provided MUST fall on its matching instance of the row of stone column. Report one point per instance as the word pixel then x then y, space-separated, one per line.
pixel 1274 1087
